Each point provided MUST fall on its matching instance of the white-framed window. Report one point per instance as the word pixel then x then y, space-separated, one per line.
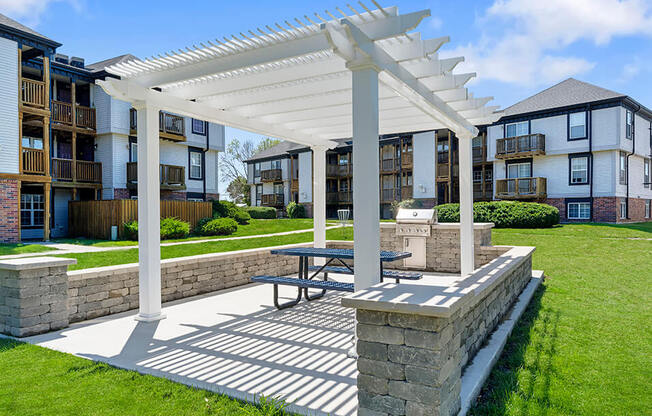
pixel 276 164
pixel 32 210
pixel 198 127
pixel 519 170
pixel 196 164
pixel 647 208
pixel 278 188
pixel 133 152
pixel 646 174
pixel 477 176
pixel 623 210
pixel 577 125
pixel 257 170
pixel 579 170
pixel 32 142
pixel 259 194
pixel 629 124
pixel 195 200
pixel 579 210
pixel 517 129
pixel 623 168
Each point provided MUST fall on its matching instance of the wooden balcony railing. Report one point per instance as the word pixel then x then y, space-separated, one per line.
pixel 170 175
pixel 169 124
pixel 442 170
pixel 388 195
pixel 86 170
pixel 521 188
pixel 61 112
pixel 85 116
pixel 479 194
pixel 528 145
pixel 294 186
pixel 272 200
pixel 387 165
pixel 342 197
pixel 271 175
pixel 339 170
pixel 33 93
pixel 406 159
pixel 406 192
pixel 479 154
pixel 33 161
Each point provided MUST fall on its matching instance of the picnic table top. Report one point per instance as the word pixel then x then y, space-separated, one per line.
pixel 336 253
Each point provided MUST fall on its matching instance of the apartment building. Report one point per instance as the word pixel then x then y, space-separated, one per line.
pixel 420 166
pixel 579 147
pixel 63 139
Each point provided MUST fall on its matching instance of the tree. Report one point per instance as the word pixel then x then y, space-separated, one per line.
pixel 233 166
pixel 239 190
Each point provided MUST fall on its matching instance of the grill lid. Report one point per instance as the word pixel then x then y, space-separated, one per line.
pixel 416 216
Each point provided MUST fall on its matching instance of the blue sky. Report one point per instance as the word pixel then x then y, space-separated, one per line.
pixel 517 47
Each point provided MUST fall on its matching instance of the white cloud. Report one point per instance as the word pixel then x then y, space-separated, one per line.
pixel 29 12
pixel 523 40
pixel 435 22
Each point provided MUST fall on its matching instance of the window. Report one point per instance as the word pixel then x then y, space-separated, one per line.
pixel 646 174
pixel 623 168
pixel 519 170
pixel 579 169
pixel 629 124
pixel 577 126
pixel 276 164
pixel 579 210
pixel 278 188
pixel 488 175
pixel 517 129
pixel 407 179
pixel 198 127
pixel 32 210
pixel 33 142
pixel 477 176
pixel 647 208
pixel 196 164
pixel 259 194
pixel 344 186
pixel 477 142
pixel 623 210
pixel 344 160
pixel 133 152
pixel 256 170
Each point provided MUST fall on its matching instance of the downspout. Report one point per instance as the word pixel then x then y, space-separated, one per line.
pixel 628 156
pixel 204 164
pixel 589 132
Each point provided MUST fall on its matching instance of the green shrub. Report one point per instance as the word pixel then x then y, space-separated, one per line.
pixel 405 204
pixel 505 214
pixel 130 230
pixel 224 209
pixel 200 225
pixel 295 210
pixel 261 213
pixel 242 217
pixel 220 226
pixel 174 228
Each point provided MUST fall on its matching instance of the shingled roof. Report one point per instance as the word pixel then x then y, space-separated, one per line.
pixel 12 24
pixel 99 66
pixel 566 93
pixel 286 147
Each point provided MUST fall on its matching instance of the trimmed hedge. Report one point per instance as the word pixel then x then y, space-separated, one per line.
pixel 220 226
pixel 224 209
pixel 295 210
pixel 261 213
pixel 241 216
pixel 505 214
pixel 170 228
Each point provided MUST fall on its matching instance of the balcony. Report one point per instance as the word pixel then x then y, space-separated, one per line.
pixel 33 161
pixel 339 170
pixel 442 170
pixel 85 171
pixel 343 197
pixel 388 165
pixel 272 200
pixel 521 146
pixel 479 154
pixel 388 195
pixel 480 194
pixel 271 175
pixel 62 114
pixel 170 127
pixel 172 177
pixel 294 186
pixel 406 160
pixel 406 192
pixel 32 93
pixel 521 188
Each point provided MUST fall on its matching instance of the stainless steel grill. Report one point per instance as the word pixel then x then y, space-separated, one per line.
pixel 414 226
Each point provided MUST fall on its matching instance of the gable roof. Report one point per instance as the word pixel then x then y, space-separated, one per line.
pixel 566 93
pixel 277 150
pixel 99 66
pixel 10 23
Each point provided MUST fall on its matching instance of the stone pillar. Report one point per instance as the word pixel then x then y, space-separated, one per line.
pixel 33 295
pixel 408 364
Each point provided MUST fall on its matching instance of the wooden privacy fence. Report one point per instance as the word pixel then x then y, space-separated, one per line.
pixel 94 219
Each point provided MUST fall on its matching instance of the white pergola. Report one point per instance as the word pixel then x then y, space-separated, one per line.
pixel 358 74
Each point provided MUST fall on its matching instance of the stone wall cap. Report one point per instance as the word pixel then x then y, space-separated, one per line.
pixel 447 225
pixel 438 301
pixel 28 263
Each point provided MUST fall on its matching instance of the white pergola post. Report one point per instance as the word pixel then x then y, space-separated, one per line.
pixel 149 214
pixel 366 199
pixel 319 198
pixel 467 264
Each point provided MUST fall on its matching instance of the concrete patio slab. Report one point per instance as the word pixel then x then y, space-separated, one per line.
pixel 235 342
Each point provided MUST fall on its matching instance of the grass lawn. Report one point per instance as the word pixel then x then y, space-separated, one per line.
pixel 109 258
pixel 255 227
pixel 10 249
pixel 37 381
pixel 584 345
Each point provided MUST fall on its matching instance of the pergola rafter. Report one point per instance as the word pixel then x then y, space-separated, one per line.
pixel 309 80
